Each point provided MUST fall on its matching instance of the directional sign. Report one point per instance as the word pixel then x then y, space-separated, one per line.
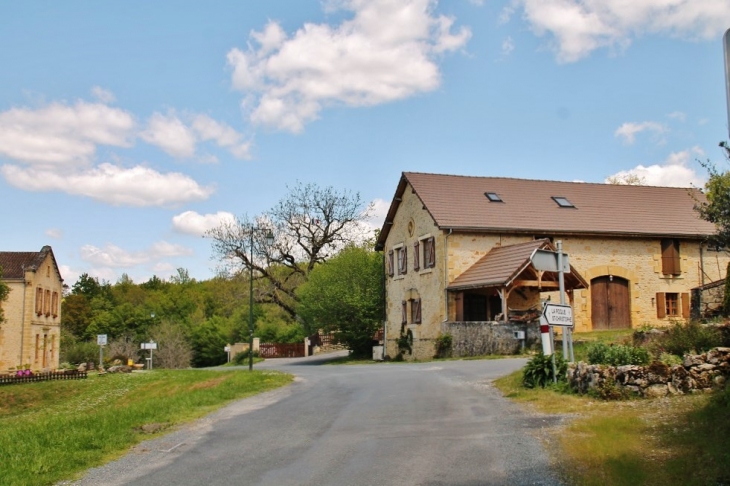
pixel 151 345
pixel 101 339
pixel 558 315
pixel 547 261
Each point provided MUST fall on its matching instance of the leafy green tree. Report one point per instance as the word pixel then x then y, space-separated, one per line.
pixel 717 208
pixel 344 295
pixel 4 292
pixel 208 341
pixel 726 296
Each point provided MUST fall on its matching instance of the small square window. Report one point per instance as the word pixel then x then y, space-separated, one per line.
pixel 563 202
pixel 493 197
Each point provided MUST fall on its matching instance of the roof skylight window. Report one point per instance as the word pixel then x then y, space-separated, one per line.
pixel 493 197
pixel 563 202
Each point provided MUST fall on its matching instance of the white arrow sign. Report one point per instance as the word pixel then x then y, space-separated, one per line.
pixel 558 315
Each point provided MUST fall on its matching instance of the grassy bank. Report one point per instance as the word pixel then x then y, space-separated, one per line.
pixel 682 440
pixel 53 430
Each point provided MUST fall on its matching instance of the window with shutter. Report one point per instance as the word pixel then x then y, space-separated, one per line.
pixel 670 257
pixel 404 312
pixel 429 252
pixel 416 256
pixel 39 301
pixel 661 307
pixel 54 304
pixel 685 305
pixel 416 311
pixel 402 260
pixel 391 268
pixel 47 303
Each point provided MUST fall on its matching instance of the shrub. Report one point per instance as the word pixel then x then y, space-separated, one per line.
pixel 539 371
pixel 81 352
pixel 617 355
pixel 608 390
pixel 443 345
pixel 242 357
pixel 690 338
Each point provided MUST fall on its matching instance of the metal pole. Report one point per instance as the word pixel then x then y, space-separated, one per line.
pixel 561 282
pixel 101 356
pixel 726 49
pixel 250 302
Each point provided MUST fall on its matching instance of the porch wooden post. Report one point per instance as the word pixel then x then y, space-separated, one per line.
pixel 459 306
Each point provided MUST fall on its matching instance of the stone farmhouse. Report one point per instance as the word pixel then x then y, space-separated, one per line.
pixel 457 251
pixel 30 335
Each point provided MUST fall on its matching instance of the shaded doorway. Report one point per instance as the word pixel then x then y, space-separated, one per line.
pixel 610 305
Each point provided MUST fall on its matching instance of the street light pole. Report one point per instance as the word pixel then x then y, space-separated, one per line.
pixel 269 241
pixel 250 302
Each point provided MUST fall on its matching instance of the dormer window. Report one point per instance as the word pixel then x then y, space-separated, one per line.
pixel 563 202
pixel 493 197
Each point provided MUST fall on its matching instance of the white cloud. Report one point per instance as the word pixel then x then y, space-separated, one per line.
pixel 578 27
pixel 136 186
pixel 55 233
pixel 112 256
pixel 63 135
pixel 677 115
pixel 103 95
pixel 508 45
pixel 629 130
pixel 196 224
pixel 675 171
pixel 68 274
pixel 386 52
pixel 170 134
pixel 224 136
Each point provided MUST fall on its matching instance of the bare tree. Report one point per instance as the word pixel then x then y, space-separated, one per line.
pixel 173 349
pixel 309 225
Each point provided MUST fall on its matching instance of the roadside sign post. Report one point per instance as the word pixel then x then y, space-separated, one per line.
pixel 101 341
pixel 557 261
pixel 227 349
pixel 151 345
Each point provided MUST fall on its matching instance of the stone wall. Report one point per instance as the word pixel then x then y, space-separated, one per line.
pixel 697 374
pixel 483 338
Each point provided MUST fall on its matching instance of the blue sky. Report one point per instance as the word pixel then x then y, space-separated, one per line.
pixel 129 128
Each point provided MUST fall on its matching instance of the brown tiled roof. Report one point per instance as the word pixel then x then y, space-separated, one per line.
pixel 504 264
pixel 14 263
pixel 459 203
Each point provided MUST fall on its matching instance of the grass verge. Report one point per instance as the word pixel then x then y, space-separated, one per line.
pixel 54 430
pixel 682 440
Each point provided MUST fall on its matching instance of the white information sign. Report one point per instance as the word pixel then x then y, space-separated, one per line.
pixel 558 315
pixel 101 339
pixel 148 345
pixel 547 261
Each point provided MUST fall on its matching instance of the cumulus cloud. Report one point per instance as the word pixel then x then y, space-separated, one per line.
pixel 387 51
pixel 508 45
pixel 170 134
pixel 578 27
pixel 62 135
pixel 136 186
pixel 103 95
pixel 193 223
pixel 224 136
pixel 628 130
pixel 55 233
pixel 675 171
pixel 112 256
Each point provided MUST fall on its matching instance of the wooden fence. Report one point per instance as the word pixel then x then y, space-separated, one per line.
pixel 51 375
pixel 276 350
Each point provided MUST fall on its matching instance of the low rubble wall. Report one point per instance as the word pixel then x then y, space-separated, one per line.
pixel 697 374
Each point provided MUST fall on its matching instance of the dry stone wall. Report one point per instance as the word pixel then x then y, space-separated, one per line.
pixel 697 374
pixel 484 338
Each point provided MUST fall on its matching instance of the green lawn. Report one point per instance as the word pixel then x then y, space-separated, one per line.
pixel 55 430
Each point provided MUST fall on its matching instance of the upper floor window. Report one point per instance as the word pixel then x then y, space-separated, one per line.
pixel 429 252
pixel 563 202
pixel 416 256
pixel 493 197
pixel 39 301
pixel 402 258
pixel 391 267
pixel 670 257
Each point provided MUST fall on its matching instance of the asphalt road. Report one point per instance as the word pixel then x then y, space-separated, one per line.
pixel 381 424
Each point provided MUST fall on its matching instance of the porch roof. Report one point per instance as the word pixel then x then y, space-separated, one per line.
pixel 503 265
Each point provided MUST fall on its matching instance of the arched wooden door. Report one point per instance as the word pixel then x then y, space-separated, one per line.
pixel 610 304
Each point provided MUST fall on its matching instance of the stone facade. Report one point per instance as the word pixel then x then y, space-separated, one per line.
pixel 634 260
pixel 30 335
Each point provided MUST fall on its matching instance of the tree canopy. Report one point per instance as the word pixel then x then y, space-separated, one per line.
pixel 345 295
pixel 717 208
pixel 310 224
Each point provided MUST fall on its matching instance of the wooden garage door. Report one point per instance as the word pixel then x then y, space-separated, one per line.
pixel 610 306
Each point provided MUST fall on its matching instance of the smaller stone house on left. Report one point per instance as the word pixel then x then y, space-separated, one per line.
pixel 31 332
